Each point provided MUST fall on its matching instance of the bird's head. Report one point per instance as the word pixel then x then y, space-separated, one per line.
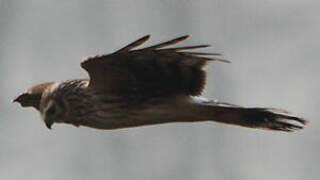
pixel 42 97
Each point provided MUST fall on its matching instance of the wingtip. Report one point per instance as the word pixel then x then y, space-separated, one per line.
pixel 221 60
pixel 224 61
pixel 303 121
pixel 292 123
pixel 287 115
pixel 184 37
pixel 146 37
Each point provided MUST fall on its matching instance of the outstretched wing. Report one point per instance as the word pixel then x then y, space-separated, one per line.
pixel 149 72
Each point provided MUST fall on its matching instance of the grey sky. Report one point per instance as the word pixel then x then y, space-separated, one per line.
pixel 274 49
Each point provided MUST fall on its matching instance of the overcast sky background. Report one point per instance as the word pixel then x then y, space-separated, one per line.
pixel 274 49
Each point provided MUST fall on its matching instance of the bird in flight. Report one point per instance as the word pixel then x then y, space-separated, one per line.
pixel 152 85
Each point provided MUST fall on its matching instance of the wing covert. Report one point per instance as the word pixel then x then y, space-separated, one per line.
pixel 149 72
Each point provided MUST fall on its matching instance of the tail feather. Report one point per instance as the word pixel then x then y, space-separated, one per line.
pixel 261 118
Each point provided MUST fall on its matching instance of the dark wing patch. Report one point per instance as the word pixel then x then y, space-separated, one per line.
pixel 151 71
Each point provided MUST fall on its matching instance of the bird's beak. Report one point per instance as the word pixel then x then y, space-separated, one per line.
pixel 27 100
pixel 21 99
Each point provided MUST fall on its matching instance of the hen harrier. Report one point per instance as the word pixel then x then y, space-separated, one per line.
pixel 153 85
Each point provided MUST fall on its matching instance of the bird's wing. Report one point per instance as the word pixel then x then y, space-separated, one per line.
pixel 262 118
pixel 150 72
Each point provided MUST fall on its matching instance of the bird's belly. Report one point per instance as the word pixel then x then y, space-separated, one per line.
pixel 133 117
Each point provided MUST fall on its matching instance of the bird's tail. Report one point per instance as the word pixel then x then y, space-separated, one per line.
pixel 261 118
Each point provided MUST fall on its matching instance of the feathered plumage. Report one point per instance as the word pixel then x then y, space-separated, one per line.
pixel 152 85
